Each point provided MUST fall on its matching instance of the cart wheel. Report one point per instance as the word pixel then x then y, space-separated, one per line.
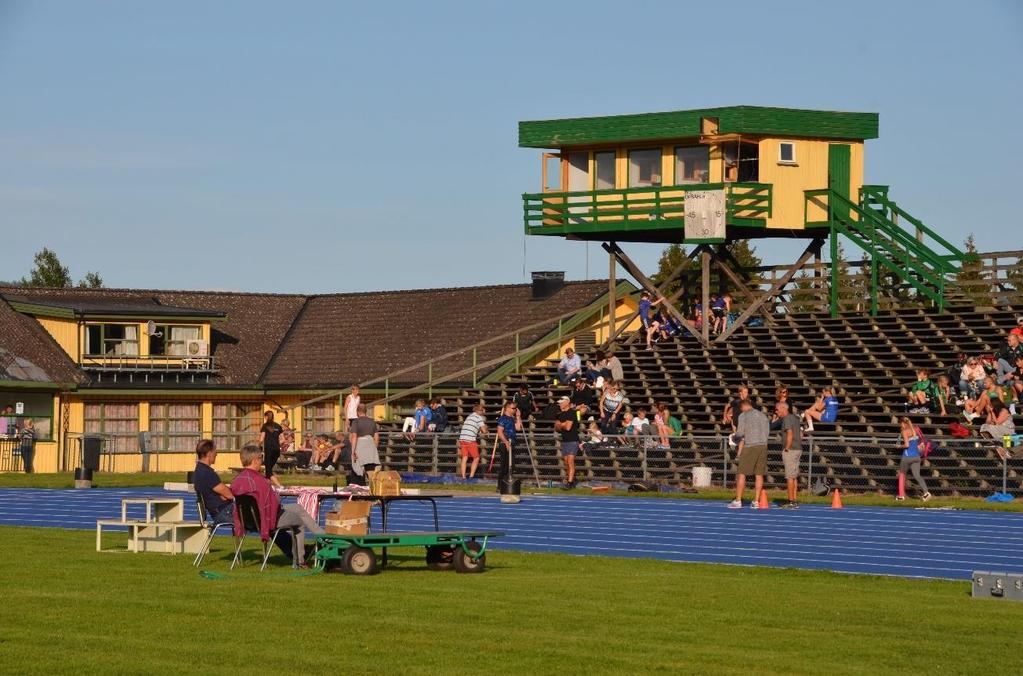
pixel 359 561
pixel 464 564
pixel 438 557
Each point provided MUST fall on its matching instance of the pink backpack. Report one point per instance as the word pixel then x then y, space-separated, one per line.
pixel 924 444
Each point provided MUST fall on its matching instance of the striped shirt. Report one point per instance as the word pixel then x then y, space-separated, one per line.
pixel 471 427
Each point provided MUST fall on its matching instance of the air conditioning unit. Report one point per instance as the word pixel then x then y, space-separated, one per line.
pixel 197 348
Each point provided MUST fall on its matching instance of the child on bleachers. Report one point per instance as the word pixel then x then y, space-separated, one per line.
pixel 946 397
pixel 824 410
pixel 923 395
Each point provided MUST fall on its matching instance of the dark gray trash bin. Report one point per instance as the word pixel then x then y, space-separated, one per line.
pixel 92 446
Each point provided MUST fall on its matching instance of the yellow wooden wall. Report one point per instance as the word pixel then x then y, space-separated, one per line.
pixel 624 308
pixel 810 172
pixel 64 331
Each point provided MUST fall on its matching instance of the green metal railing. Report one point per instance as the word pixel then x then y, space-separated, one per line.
pixel 873 225
pixel 634 209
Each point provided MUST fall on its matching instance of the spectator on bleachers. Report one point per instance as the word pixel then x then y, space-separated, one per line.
pixel 567 423
pixel 645 304
pixel 627 429
pixel 320 452
pixel 525 402
pixel 287 436
pixel 352 407
pixel 730 416
pixel 1017 383
pixel 640 424
pixel 660 326
pixel 946 397
pixel 583 398
pixel 999 421
pixel 791 449
pixel 1008 355
pixel 974 408
pixel 611 404
pixel 570 367
pixel 718 309
pixel 824 409
pixel 614 364
pixel 971 378
pixel 596 436
pixel 910 460
pixel 668 425
pixel 420 419
pixel 752 430
pixel 340 453
pixel 781 396
pixel 474 427
pixel 698 314
pixel 597 369
pixel 1018 329
pixel 923 394
pixel 438 416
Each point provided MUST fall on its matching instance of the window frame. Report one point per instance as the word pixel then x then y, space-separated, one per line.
pixel 675 155
pixel 233 438
pixel 162 439
pixel 122 442
pixel 660 166
pixel 103 340
pixel 310 418
pixel 781 160
pixel 165 329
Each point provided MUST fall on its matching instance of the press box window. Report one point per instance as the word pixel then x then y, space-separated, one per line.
pixel 644 168
pixel 786 153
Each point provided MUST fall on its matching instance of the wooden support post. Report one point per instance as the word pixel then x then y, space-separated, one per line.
pixel 645 282
pixel 815 245
pixel 705 295
pixel 612 288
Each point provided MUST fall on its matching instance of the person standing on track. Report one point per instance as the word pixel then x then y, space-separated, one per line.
pixel 270 442
pixel 567 423
pixel 508 426
pixel 364 437
pixel 791 449
pixel 911 458
pixel 753 428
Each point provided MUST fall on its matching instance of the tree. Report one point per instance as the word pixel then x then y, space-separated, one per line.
pixel 49 272
pixel 91 280
pixel 972 280
pixel 672 257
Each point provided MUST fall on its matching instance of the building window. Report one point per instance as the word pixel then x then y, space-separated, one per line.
pixel 118 422
pixel 644 167
pixel 605 170
pixel 172 340
pixel 692 164
pixel 742 162
pixel 786 152
pixel 111 340
pixel 318 418
pixel 174 427
pixel 35 405
pixel 236 424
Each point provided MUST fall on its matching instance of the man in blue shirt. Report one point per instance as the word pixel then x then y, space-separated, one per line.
pixel 508 426
pixel 569 368
pixel 216 496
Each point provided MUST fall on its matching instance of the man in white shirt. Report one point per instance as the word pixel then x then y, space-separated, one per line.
pixel 569 367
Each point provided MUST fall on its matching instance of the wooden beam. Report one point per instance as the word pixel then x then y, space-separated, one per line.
pixel 645 282
pixel 748 292
pixel 811 248
pixel 612 283
pixel 705 295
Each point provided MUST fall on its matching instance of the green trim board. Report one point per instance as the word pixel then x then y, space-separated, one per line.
pixel 758 120
pixel 55 312
pixel 34 385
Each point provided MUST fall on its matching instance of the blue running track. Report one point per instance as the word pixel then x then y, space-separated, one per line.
pixel 874 540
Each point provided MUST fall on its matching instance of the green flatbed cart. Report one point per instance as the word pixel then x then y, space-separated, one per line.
pixel 464 551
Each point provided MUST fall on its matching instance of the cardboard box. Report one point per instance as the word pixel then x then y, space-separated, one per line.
pixel 384 483
pixel 351 519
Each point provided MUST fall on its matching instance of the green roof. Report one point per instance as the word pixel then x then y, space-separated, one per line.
pixel 686 123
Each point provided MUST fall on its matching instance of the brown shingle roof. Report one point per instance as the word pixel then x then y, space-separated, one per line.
pixel 341 339
pixel 328 340
pixel 242 344
pixel 29 353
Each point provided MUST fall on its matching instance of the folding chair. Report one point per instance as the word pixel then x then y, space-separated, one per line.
pixel 211 530
pixel 248 509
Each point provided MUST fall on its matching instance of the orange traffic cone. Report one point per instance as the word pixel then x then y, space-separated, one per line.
pixel 836 499
pixel 762 501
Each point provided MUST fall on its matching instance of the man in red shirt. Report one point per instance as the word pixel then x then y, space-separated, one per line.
pixel 1019 327
pixel 271 514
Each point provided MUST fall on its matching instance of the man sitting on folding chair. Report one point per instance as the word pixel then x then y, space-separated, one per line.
pixel 272 515
pixel 215 495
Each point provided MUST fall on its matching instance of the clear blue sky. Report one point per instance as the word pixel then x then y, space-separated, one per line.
pixel 329 146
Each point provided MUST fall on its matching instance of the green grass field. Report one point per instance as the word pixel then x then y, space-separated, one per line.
pixel 67 608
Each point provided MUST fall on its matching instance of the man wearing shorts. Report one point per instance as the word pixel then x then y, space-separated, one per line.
pixel 791 449
pixel 567 423
pixel 752 432
pixel 468 446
